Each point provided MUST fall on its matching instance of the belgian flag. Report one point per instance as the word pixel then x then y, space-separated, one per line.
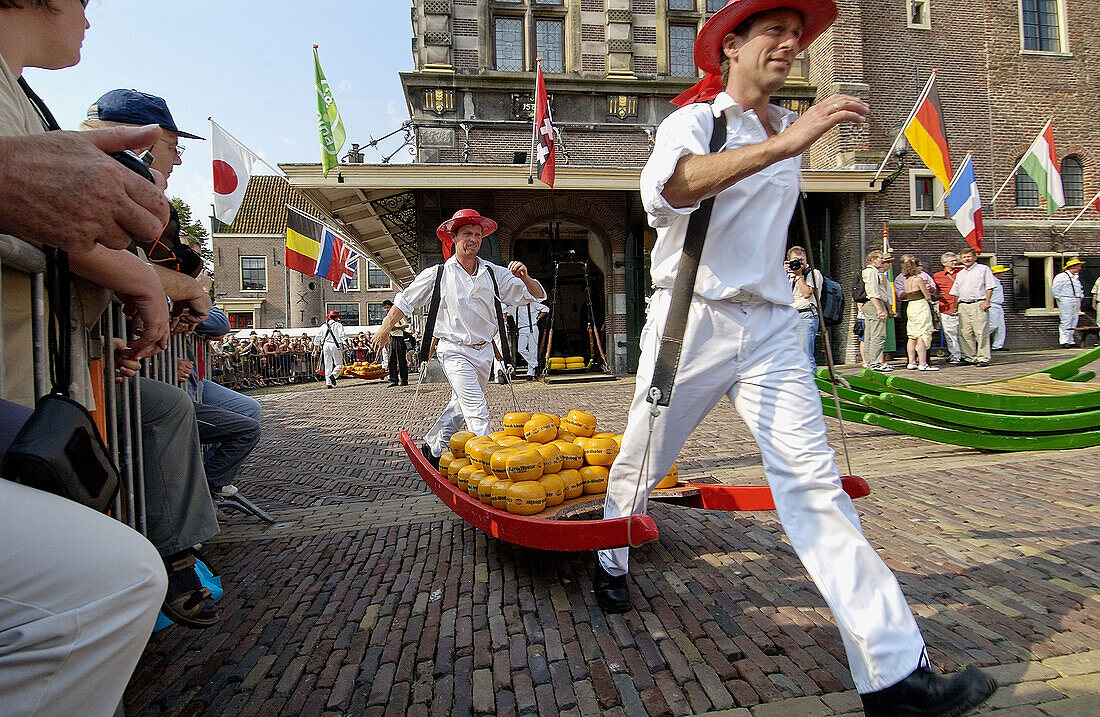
pixel 303 241
pixel 928 137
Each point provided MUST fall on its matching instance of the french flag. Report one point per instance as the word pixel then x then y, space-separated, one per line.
pixel 965 205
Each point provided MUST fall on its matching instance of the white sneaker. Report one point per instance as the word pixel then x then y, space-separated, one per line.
pixel 911 367
pixel 882 367
pixel 928 368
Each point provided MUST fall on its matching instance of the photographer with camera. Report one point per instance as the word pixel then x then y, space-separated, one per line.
pixel 804 290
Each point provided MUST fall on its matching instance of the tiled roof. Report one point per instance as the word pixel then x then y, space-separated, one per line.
pixel 263 209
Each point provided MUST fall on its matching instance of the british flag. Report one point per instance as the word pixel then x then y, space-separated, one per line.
pixel 338 261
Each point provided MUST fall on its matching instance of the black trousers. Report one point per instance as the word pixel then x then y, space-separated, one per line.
pixel 399 360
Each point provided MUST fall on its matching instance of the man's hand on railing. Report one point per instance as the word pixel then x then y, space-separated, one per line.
pixel 126 365
pixel 149 315
pixel 63 189
pixel 184 369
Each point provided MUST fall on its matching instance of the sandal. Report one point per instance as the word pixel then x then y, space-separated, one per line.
pixel 188 603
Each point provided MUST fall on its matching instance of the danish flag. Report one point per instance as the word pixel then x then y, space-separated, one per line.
pixel 544 133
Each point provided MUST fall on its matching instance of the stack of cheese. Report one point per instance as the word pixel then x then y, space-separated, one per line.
pixel 362 369
pixel 536 462
pixel 559 363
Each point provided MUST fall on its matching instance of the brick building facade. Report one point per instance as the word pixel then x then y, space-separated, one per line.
pixel 251 281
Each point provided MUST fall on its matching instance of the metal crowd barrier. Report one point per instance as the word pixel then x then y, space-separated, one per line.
pixel 246 371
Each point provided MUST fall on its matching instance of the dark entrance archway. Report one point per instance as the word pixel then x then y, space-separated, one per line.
pixel 567 245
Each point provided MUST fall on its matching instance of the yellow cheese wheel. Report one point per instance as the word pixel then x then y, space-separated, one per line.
pixel 551 458
pixel 600 451
pixel 601 435
pixel 553 417
pixel 500 494
pixel 474 481
pixel 513 423
pixel 485 489
pixel 458 443
pixel 464 475
pixel 524 465
pixel 498 463
pixel 572 456
pixel 511 440
pixel 456 465
pixel 574 359
pixel 444 461
pixel 564 434
pixel 581 441
pixel 497 435
pixel 526 498
pixel 671 478
pixel 485 455
pixel 540 429
pixel 619 439
pixel 475 446
pixel 595 479
pixel 574 484
pixel 580 423
pixel 554 487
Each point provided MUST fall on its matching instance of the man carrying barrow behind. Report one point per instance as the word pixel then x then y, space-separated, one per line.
pixel 470 293
pixel 740 340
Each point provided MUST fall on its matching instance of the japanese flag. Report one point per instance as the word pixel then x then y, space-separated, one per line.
pixel 232 167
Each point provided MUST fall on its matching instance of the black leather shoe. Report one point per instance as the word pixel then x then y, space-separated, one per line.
pixel 612 593
pixel 927 694
pixel 428 454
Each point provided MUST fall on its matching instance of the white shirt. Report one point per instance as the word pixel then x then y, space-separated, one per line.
pixel 467 310
pixel 800 302
pixel 526 316
pixel 747 236
pixel 333 331
pixel 972 283
pixel 1067 286
pixel 998 292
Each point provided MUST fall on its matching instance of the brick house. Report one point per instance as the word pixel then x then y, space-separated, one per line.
pixel 612 66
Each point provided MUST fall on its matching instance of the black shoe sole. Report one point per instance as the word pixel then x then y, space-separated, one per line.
pixel 961 706
pixel 612 608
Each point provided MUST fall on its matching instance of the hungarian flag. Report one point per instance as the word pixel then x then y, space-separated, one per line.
pixel 928 136
pixel 338 261
pixel 329 124
pixel 544 133
pixel 232 167
pixel 966 206
pixel 304 235
pixel 1041 164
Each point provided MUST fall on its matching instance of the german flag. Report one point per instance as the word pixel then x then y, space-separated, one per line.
pixel 303 241
pixel 928 137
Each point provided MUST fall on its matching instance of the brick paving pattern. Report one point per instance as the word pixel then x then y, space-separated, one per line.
pixel 369 597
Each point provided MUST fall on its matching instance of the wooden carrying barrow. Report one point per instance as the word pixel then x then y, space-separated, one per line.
pixel 558 528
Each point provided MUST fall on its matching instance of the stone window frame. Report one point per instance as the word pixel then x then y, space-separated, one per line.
pixel 1046 277
pixel 375 308
pixel 1062 28
pixel 530 12
pixel 918 15
pixel 370 281
pixel 916 173
pixel 341 307
pixel 263 267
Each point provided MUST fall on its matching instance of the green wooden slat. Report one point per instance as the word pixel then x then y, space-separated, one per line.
pixel 990 421
pixel 996 402
pixel 985 441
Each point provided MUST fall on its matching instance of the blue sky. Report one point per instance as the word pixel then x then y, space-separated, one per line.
pixel 247 64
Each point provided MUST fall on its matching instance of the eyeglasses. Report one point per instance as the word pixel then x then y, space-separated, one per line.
pixel 179 149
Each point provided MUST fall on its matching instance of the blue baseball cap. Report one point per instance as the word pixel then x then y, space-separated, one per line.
pixel 138 108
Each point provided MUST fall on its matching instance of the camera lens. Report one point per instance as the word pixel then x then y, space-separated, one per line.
pixel 794 264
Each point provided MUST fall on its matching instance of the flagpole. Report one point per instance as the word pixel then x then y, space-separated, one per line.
pixel 534 124
pixel 943 197
pixel 1012 174
pixel 280 172
pixel 916 106
pixel 1081 213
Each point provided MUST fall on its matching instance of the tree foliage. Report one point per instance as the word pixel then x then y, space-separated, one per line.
pixel 189 225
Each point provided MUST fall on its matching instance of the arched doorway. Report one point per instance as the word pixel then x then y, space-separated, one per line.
pixel 570 248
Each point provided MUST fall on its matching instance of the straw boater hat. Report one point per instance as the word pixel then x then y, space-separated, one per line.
pixel 817 15
pixel 1000 268
pixel 445 231
pixel 1072 263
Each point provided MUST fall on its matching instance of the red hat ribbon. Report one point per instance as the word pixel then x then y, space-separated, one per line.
pixel 703 91
pixel 448 246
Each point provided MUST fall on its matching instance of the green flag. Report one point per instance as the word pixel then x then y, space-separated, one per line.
pixel 328 119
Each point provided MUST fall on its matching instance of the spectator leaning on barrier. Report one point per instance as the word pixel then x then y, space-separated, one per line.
pixel 79 592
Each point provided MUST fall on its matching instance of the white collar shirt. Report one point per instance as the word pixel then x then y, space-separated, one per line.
pixel 998 291
pixel 333 331
pixel 1067 286
pixel 747 235
pixel 467 309
pixel 526 317
pixel 972 282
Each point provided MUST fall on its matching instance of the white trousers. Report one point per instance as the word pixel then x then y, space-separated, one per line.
pixel 750 353
pixel 334 361
pixel 467 370
pixel 1069 310
pixel 79 593
pixel 950 323
pixel 997 329
pixel 529 349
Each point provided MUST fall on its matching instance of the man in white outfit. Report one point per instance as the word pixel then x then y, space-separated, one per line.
pixel 997 328
pixel 741 342
pixel 469 289
pixel 1068 292
pixel 332 339
pixel 527 332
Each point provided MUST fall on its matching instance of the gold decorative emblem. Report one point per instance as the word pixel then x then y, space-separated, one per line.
pixel 622 106
pixel 439 100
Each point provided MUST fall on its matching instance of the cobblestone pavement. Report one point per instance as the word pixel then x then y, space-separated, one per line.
pixel 368 596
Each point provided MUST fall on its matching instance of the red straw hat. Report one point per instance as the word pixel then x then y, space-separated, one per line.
pixel 817 15
pixel 445 231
